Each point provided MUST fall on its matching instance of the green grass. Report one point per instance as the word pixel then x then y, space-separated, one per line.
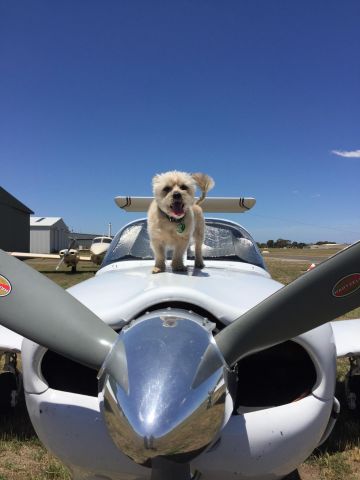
pixel 63 276
pixel 22 457
pixel 285 272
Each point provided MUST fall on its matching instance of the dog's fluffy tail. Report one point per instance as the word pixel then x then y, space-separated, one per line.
pixel 205 183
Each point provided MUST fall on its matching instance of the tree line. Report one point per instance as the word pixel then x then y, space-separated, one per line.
pixel 283 243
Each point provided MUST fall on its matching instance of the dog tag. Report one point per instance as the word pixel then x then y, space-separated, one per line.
pixel 180 227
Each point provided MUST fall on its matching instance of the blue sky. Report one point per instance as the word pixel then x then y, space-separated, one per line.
pixel 98 96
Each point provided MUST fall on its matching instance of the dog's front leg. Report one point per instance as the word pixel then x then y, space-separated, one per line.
pixel 199 262
pixel 199 237
pixel 159 252
pixel 177 263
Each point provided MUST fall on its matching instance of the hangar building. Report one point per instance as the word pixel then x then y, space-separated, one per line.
pixel 15 224
pixel 48 234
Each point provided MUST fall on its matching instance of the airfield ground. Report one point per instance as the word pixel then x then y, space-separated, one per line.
pixel 22 457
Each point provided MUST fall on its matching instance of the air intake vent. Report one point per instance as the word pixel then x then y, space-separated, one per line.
pixel 276 376
pixel 63 374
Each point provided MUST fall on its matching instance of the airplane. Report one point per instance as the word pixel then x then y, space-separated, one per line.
pixel 98 248
pixel 205 374
pixel 70 256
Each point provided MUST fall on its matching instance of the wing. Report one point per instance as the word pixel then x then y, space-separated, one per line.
pixel 9 340
pixel 43 255
pixel 210 204
pixel 347 337
pixel 85 259
pixel 34 255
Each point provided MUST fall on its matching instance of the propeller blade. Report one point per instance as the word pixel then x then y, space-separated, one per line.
pixel 71 244
pixel 60 263
pixel 320 295
pixel 35 307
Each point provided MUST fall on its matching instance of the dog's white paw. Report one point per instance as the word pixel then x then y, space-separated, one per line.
pixel 158 270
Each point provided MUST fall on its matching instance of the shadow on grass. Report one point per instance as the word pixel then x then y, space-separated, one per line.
pixel 16 424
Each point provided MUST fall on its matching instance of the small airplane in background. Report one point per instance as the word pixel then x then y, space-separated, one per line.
pixel 98 248
pixel 71 256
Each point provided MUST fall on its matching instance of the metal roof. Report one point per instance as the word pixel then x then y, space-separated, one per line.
pixel 44 221
pixel 7 199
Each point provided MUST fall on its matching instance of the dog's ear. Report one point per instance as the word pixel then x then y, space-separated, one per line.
pixel 155 179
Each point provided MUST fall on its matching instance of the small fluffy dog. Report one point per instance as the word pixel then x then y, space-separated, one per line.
pixel 174 217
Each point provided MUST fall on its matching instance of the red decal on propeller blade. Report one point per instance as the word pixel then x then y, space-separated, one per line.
pixel 347 285
pixel 5 286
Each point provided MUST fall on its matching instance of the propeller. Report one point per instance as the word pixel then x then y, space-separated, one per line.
pixel 320 295
pixel 71 244
pixel 36 308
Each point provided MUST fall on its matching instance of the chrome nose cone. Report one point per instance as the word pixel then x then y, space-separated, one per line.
pixel 160 411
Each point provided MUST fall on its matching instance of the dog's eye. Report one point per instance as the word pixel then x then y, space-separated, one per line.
pixel 166 189
pixel 184 187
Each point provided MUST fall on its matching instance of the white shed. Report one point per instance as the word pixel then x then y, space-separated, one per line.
pixel 48 234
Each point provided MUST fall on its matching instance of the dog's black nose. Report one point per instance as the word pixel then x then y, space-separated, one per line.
pixel 176 195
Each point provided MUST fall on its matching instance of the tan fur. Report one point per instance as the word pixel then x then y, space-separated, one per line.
pixel 177 188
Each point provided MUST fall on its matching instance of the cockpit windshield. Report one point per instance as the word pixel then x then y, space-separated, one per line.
pixel 101 240
pixel 223 241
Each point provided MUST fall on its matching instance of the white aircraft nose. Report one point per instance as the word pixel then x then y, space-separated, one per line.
pixel 99 248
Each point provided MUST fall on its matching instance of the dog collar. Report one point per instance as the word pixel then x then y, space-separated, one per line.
pixel 180 228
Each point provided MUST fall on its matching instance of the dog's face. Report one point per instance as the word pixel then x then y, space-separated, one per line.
pixel 174 192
